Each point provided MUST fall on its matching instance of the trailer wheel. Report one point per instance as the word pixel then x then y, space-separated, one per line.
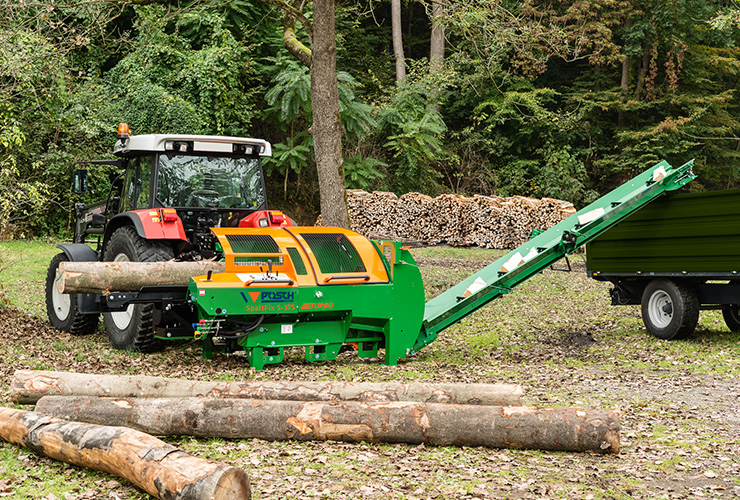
pixel 731 314
pixel 133 329
pixel 670 310
pixel 62 307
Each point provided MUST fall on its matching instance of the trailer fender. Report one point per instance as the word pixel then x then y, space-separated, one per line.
pixel 78 252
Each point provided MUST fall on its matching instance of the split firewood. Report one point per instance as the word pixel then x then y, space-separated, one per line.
pixel 28 386
pixel 486 221
pixel 102 277
pixel 156 467
pixel 565 429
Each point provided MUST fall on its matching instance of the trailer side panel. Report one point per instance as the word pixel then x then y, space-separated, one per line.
pixel 681 234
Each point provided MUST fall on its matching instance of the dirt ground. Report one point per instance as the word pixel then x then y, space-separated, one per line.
pixel 556 336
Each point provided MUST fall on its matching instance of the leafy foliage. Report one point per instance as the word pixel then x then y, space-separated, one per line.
pixel 413 128
pixel 536 97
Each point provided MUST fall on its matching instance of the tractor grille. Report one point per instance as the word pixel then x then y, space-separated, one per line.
pixel 252 243
pixel 295 256
pixel 334 253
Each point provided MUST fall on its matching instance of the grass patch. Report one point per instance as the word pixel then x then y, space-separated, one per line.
pixel 23 267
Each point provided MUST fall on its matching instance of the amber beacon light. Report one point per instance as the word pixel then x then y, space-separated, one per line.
pixel 123 131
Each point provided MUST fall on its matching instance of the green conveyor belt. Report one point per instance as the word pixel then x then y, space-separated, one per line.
pixel 548 247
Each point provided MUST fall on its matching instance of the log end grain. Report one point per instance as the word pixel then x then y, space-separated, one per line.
pixel 229 483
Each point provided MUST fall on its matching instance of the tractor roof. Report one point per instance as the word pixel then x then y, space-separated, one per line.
pixel 192 143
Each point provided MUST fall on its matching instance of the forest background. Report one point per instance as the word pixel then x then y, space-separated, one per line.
pixel 565 99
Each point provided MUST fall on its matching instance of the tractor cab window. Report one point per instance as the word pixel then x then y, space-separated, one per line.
pixel 136 183
pixel 210 182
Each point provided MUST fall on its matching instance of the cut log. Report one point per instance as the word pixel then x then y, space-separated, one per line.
pixel 566 429
pixel 27 386
pixel 156 467
pixel 103 277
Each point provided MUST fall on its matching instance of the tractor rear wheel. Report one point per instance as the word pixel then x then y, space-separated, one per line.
pixel 133 329
pixel 62 307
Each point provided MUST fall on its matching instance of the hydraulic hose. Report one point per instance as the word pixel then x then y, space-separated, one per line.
pixel 250 328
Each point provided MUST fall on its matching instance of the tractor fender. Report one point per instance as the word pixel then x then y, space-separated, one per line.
pixel 87 303
pixel 78 252
pixel 149 224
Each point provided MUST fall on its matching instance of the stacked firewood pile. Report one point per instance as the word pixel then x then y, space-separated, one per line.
pixel 485 221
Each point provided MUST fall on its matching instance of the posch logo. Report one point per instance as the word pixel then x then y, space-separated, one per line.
pixel 277 297
pixel 270 297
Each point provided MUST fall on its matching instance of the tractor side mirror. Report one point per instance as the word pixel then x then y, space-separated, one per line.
pixel 79 180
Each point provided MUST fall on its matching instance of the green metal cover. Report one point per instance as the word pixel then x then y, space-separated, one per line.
pixel 252 243
pixel 334 253
pixel 693 233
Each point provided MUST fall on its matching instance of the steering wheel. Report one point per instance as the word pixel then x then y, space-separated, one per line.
pixel 203 193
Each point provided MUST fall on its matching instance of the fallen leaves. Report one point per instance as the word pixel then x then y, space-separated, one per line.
pixel 555 335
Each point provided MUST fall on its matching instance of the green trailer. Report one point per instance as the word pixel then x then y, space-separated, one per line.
pixel 675 257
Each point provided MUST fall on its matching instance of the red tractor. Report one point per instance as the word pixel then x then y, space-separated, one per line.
pixel 171 190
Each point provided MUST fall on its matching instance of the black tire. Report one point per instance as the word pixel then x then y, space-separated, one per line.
pixel 670 310
pixel 61 308
pixel 731 314
pixel 133 329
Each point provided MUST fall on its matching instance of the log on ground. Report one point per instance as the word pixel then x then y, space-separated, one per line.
pixel 156 467
pixel 437 424
pixel 103 277
pixel 27 386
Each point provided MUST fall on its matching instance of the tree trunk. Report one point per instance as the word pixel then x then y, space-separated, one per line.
pixel 566 429
pixel 326 128
pixel 154 466
pixel 643 71
pixel 28 386
pixel 398 40
pixel 102 277
pixel 437 39
pixel 624 85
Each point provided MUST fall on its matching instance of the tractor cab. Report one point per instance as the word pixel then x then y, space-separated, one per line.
pixel 177 187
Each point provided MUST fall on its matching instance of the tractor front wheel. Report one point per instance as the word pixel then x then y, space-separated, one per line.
pixel 62 307
pixel 133 329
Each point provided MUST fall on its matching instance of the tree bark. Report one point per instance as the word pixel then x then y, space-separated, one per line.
pixel 292 13
pixel 154 466
pixel 28 386
pixel 437 39
pixel 645 64
pixel 397 34
pixel 326 128
pixel 565 429
pixel 103 277
pixel 624 85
